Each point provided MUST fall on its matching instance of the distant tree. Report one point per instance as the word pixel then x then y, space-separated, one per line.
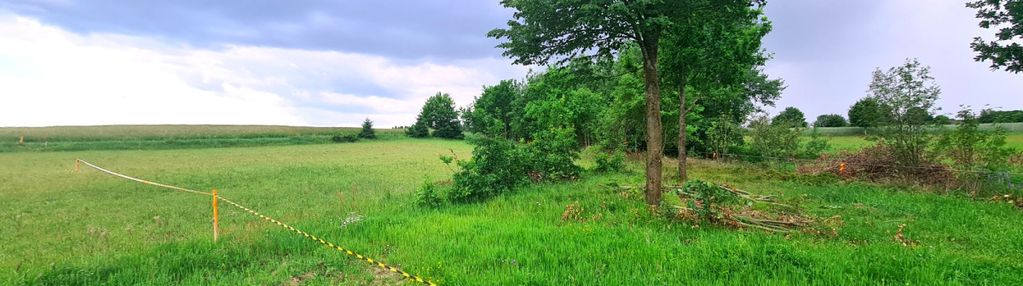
pixel 867 113
pixel 989 115
pixel 1006 16
pixel 907 94
pixel 418 129
pixel 791 117
pixel 942 120
pixel 830 120
pixel 367 130
pixel 440 115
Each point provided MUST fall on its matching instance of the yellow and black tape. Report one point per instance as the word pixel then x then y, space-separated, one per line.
pixel 328 244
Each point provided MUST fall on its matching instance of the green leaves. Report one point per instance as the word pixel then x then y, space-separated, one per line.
pixel 1006 51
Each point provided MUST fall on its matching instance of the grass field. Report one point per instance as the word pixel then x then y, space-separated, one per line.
pixel 854 142
pixel 152 137
pixel 65 228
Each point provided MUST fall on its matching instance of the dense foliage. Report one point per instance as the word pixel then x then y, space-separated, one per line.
pixel 438 114
pixel 830 120
pixel 867 113
pixel 983 155
pixel 1007 17
pixel 790 117
pixel 906 94
pixel 988 115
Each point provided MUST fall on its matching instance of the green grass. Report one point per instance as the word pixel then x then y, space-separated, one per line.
pixel 855 142
pixel 154 137
pixel 63 228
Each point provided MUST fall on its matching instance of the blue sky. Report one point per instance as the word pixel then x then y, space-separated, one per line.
pixel 330 63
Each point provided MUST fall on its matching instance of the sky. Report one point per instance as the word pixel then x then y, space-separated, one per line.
pixel 335 63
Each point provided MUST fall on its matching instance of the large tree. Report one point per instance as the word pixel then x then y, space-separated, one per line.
pixel 545 30
pixel 711 45
pixel 438 114
pixel 1006 16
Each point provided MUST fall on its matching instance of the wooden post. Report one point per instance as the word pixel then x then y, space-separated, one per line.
pixel 216 219
pixel 78 165
pixel 21 140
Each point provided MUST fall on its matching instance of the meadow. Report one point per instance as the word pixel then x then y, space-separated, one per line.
pixel 87 228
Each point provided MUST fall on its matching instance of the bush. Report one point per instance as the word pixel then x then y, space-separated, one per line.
pixel 723 136
pixel 428 195
pixel 982 154
pixel 552 154
pixel 343 138
pixel 609 161
pixel 815 146
pixel 771 140
pixel 499 165
pixel 496 167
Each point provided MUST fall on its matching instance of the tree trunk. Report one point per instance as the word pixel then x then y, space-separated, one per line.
pixel 654 132
pixel 682 176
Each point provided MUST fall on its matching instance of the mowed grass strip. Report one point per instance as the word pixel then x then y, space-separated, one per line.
pixel 90 228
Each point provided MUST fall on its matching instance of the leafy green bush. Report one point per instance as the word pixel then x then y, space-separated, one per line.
pixel 704 197
pixel 499 165
pixel 609 161
pixel 772 140
pixel 552 154
pixel 428 195
pixel 343 138
pixel 982 154
pixel 814 147
pixel 496 167
pixel 723 136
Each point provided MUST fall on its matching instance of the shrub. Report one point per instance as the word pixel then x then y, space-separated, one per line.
pixel 867 113
pixel 723 136
pixel 496 167
pixel 343 138
pixel 367 130
pixel 612 161
pixel 552 154
pixel 772 140
pixel 499 165
pixel 428 195
pixel 982 154
pixel 815 146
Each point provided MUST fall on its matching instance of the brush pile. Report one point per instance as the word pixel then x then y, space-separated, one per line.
pixel 729 206
pixel 877 164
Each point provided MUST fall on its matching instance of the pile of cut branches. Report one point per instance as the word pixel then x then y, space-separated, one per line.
pixel 726 205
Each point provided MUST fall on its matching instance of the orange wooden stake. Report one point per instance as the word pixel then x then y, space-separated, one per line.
pixel 216 219
pixel 841 168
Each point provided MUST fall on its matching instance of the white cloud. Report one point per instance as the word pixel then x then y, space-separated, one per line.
pixel 49 76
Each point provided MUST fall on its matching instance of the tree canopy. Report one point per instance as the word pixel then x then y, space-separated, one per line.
pixel 1007 17
pixel 790 117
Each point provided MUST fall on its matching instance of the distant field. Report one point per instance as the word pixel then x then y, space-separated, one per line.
pixel 87 228
pixel 855 142
pixel 846 131
pixel 145 137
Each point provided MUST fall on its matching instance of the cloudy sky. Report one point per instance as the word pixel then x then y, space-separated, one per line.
pixel 333 63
